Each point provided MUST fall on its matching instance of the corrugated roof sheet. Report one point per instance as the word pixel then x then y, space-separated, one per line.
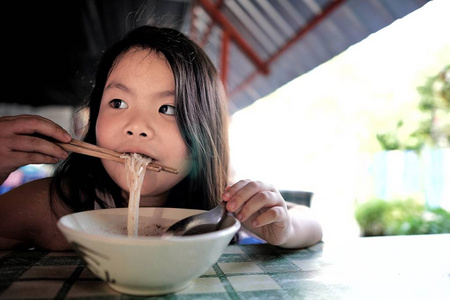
pixel 268 25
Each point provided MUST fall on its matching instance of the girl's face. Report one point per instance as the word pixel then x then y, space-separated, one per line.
pixel 137 115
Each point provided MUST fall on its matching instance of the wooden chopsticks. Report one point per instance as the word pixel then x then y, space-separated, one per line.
pixel 96 151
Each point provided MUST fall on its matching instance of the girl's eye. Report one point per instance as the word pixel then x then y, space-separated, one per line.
pixel 167 109
pixel 117 103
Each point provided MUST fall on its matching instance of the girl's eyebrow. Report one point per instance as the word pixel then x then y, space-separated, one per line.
pixel 166 94
pixel 122 87
pixel 119 86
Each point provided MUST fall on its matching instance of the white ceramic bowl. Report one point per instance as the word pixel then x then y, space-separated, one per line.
pixel 148 264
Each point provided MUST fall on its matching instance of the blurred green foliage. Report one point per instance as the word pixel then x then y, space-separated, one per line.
pixel 434 127
pixel 400 217
pixel 415 141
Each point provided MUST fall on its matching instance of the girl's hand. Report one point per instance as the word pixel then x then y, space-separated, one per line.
pixel 18 148
pixel 261 209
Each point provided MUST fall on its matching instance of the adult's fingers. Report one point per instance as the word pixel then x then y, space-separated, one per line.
pixel 30 124
pixel 24 158
pixel 33 144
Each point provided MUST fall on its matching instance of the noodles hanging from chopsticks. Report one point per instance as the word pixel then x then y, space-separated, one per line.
pixel 135 166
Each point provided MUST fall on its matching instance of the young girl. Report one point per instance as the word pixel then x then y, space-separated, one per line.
pixel 158 94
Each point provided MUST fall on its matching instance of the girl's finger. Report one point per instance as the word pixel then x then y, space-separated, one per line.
pixel 238 194
pixel 232 189
pixel 246 190
pixel 272 215
pixel 261 200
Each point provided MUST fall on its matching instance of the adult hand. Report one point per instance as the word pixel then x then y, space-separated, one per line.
pixel 18 146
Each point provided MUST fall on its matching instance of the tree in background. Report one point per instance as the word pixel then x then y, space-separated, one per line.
pixel 435 103
pixel 434 129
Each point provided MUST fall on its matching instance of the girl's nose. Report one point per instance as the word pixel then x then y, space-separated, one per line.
pixel 139 127
pixel 141 134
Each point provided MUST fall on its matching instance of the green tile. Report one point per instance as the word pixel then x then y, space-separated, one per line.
pixel 274 264
pixel 300 254
pixel 213 296
pixel 266 295
pixel 260 249
pixel 228 258
pixel 59 261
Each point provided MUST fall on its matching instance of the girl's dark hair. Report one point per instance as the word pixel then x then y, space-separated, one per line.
pixel 201 117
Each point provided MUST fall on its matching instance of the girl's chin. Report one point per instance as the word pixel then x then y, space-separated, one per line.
pixel 148 198
pixel 146 191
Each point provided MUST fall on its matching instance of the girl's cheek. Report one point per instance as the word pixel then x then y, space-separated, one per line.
pixel 105 132
pixel 117 172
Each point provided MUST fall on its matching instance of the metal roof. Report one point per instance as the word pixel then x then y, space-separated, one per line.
pixel 287 37
pixel 258 45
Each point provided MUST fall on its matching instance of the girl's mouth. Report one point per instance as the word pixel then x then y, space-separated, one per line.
pixel 140 154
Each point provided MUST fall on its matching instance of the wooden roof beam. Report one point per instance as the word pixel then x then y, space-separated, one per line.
pixel 234 35
pixel 211 24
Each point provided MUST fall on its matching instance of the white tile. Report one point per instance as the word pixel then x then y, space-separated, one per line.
pixel 87 274
pixel 240 267
pixel 233 249
pixel 210 271
pixel 307 265
pixel 90 289
pixel 204 286
pixel 253 283
pixel 32 289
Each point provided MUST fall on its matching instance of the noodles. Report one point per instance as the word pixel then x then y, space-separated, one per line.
pixel 135 166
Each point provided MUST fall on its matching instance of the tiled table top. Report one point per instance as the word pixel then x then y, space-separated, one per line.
pixel 416 267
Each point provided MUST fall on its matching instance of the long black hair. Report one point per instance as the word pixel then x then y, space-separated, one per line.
pixel 81 181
